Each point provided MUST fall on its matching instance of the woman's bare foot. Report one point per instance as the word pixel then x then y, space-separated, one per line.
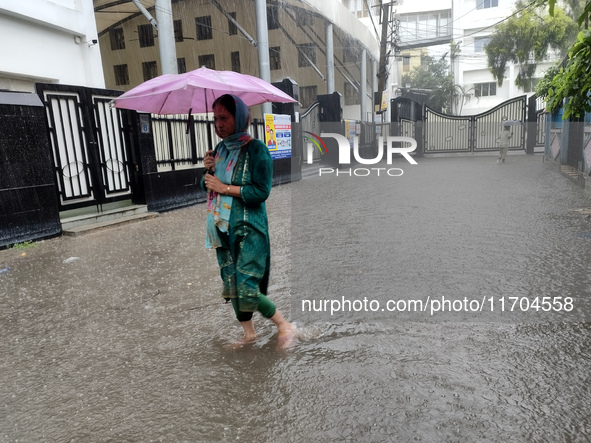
pixel 285 330
pixel 249 335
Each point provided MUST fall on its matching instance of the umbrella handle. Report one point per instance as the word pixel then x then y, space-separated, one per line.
pixel 189 120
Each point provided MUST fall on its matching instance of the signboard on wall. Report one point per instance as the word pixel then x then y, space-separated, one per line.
pixel 278 135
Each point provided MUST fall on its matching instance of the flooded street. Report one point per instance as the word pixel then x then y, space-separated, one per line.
pixel 120 335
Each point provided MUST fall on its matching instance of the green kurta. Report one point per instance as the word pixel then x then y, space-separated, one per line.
pixel 245 254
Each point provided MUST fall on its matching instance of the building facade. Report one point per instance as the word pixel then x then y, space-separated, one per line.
pixel 222 35
pixel 48 41
pixel 469 24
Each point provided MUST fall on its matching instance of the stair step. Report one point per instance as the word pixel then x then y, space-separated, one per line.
pixel 110 222
pixel 96 217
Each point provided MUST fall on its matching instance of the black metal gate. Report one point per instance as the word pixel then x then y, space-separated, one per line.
pixel 90 151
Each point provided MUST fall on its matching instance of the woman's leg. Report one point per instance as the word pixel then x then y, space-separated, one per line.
pixel 245 319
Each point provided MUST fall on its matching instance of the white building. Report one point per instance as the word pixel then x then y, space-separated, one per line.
pixel 470 23
pixel 48 41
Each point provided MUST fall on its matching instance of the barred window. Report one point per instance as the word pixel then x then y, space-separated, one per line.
pixel 150 70
pixel 146 35
pixel 351 94
pixel 178 30
pixel 117 39
pixel 181 65
pixel 272 18
pixel 207 60
pixel 204 30
pixel 306 52
pixel 121 74
pixel 235 56
pixel 275 57
pixel 232 29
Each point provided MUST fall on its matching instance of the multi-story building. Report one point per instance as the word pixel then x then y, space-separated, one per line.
pixel 469 24
pixel 221 35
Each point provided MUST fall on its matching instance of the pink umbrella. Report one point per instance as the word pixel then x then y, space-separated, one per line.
pixel 195 91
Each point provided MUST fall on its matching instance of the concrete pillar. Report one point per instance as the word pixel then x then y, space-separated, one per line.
pixel 329 60
pixel 374 86
pixel 263 47
pixel 166 41
pixel 363 88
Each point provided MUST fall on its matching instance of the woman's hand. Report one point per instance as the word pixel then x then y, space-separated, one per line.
pixel 215 184
pixel 209 161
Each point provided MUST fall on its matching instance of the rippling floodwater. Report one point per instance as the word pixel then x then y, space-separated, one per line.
pixel 120 336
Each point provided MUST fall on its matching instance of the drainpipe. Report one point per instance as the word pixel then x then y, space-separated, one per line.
pixel 329 60
pixel 229 17
pixel 144 11
pixel 166 41
pixel 263 47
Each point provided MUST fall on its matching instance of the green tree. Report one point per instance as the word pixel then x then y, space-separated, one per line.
pixel 572 81
pixel 433 75
pixel 525 39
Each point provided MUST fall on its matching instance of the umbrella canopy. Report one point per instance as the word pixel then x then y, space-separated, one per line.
pixel 195 91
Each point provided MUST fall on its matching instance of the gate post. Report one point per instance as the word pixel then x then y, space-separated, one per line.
pixel 143 155
pixel 531 125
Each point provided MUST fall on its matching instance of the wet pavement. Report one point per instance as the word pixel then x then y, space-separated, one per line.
pixel 119 335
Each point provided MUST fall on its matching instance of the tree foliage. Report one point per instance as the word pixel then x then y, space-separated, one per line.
pixel 525 39
pixel 573 81
pixel 434 75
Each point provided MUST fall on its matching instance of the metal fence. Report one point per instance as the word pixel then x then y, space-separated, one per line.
pixel 181 143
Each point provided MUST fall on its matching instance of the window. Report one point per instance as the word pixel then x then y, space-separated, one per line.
pixel 424 26
pixel 232 29
pixel 146 35
pixel 306 55
pixel 207 60
pixel 117 39
pixel 485 89
pixel 150 70
pixel 304 18
pixel 272 18
pixel 178 30
pixel 485 4
pixel 350 52
pixel 121 74
pixel 308 95
pixel 480 43
pixel 235 56
pixel 181 65
pixel 530 85
pixel 359 7
pixel 204 30
pixel 275 57
pixel 406 63
pixel 351 94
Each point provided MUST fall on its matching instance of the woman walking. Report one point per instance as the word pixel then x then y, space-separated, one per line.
pixel 238 182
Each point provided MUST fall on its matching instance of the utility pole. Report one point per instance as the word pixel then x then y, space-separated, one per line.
pixel 384 54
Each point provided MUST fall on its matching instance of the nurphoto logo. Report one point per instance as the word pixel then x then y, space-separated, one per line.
pixel 344 153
